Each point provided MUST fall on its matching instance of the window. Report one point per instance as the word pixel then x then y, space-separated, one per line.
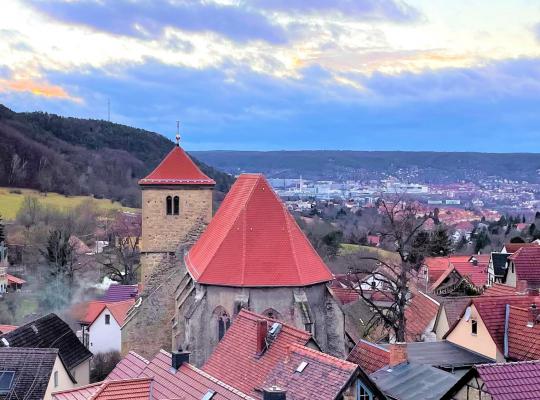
pixel 169 205
pixel 6 381
pixel 55 378
pixel 224 323
pixel 271 313
pixel 362 392
pixel 474 327
pixel 107 319
pixel 176 205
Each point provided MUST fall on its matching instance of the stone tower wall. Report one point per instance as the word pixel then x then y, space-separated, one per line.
pixel 162 233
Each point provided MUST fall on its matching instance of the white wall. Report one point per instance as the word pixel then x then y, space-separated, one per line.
pixel 64 381
pixel 104 338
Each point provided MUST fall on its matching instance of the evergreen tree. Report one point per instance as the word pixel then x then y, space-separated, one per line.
pixel 482 240
pixel 440 244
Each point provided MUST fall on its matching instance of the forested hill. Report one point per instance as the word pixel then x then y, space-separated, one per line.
pixel 79 156
pixel 427 167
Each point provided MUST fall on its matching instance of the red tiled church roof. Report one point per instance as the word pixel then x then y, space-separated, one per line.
pixel 253 241
pixel 369 356
pixel 235 360
pixel 177 169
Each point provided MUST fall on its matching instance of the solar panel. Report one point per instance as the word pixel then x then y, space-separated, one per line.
pixel 6 381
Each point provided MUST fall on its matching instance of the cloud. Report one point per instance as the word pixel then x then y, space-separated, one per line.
pixel 392 10
pixel 149 18
pixel 42 89
pixel 536 31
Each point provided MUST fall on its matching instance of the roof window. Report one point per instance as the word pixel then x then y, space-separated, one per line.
pixel 302 367
pixel 209 395
pixel 6 381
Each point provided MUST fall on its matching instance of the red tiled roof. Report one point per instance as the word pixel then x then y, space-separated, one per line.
pixel 523 340
pixel 419 314
pixel 131 389
pixel 131 366
pixel 511 381
pixel 14 280
pixel 369 356
pixel 513 247
pixel 527 264
pixel 324 377
pixel 117 309
pixel 7 328
pixel 253 241
pixel 499 289
pixel 454 308
pixel 235 360
pixel 177 169
pixel 442 277
pixel 477 274
pixel 80 393
pixel 345 295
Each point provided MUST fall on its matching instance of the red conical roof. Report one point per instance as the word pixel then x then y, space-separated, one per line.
pixel 177 169
pixel 253 241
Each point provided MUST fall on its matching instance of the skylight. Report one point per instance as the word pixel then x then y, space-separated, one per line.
pixel 6 381
pixel 209 395
pixel 302 367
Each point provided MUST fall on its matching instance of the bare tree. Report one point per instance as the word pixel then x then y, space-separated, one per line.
pixel 121 259
pixel 391 279
pixel 17 171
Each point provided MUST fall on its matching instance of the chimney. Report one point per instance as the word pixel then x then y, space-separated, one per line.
pixel 178 358
pixel 474 261
pixel 262 332
pixel 398 354
pixel 521 286
pixel 533 316
pixel 274 393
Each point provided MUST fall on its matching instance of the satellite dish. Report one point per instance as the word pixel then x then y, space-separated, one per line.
pixel 468 312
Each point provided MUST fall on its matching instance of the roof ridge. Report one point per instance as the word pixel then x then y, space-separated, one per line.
pixel 139 357
pixel 218 382
pixel 304 349
pixel 253 316
pixel 430 298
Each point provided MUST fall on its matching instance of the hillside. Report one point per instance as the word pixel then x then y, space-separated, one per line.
pixel 74 156
pixel 427 167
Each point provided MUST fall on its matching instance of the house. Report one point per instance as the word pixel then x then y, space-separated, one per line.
pixel 511 248
pixel 374 240
pixel 7 328
pixel 481 326
pixel 10 283
pixel 520 380
pixel 421 313
pixel 522 332
pixel 165 376
pixel 450 311
pixel 51 332
pixel 258 352
pixel 32 373
pixel 101 326
pixel 524 265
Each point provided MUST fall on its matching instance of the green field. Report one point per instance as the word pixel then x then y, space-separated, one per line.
pixel 11 200
pixel 368 251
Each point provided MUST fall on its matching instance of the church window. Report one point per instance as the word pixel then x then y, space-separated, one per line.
pixel 176 205
pixel 223 321
pixel 169 205
pixel 271 313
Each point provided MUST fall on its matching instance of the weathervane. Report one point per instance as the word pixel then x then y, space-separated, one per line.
pixel 178 133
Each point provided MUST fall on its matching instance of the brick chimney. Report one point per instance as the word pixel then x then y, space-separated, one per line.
pixel 398 354
pixel 533 316
pixel 521 286
pixel 262 332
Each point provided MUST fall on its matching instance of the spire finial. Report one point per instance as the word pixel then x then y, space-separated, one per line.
pixel 178 133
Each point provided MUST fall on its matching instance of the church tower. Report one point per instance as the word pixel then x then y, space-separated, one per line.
pixel 176 196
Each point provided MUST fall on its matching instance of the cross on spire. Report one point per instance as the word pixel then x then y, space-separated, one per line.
pixel 178 133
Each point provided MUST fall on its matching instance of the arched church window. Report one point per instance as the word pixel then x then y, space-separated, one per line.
pixel 176 205
pixel 169 205
pixel 271 313
pixel 223 321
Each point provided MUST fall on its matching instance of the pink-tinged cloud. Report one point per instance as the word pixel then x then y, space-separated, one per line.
pixel 42 89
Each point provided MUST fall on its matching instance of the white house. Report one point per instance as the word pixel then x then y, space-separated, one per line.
pixel 101 325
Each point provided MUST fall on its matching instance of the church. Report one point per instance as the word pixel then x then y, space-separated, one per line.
pixel 200 270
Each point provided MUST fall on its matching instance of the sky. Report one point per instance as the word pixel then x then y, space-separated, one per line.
pixel 460 75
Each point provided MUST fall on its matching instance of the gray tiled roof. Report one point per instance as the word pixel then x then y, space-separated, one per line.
pixel 414 381
pixel 49 332
pixel 32 368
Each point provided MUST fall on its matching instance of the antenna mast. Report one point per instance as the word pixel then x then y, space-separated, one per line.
pixel 178 133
